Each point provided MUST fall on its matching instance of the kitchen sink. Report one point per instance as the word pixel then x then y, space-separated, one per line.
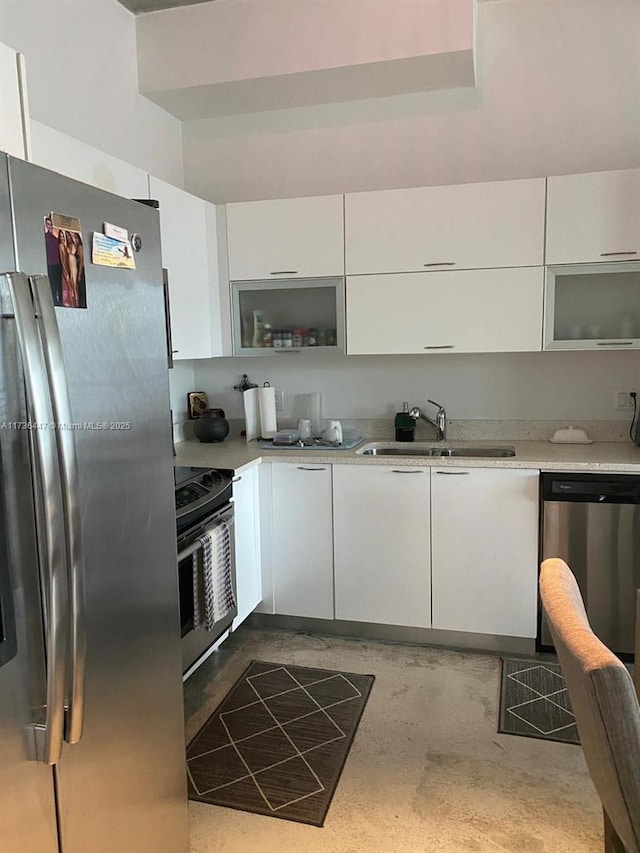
pixel 431 450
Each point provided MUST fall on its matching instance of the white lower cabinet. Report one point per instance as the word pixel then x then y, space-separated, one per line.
pixel 446 547
pixel 381 523
pixel 302 543
pixel 485 550
pixel 246 504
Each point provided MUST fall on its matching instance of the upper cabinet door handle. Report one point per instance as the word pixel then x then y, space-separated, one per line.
pixel 612 254
pixel 442 346
pixel 441 264
pixel 284 272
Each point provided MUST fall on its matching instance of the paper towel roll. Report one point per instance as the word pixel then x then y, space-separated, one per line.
pixel 267 404
pixel 315 413
pixel 251 413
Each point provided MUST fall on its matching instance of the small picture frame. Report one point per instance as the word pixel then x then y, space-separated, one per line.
pixel 197 403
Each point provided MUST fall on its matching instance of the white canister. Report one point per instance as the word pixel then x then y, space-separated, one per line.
pixel 333 432
pixel 315 412
pixel 304 427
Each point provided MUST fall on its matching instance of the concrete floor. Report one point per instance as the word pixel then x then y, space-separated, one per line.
pixel 427 770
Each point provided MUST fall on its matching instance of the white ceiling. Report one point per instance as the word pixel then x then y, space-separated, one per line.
pixel 139 6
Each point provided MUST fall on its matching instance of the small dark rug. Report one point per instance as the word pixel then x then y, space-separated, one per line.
pixel 277 743
pixel 534 701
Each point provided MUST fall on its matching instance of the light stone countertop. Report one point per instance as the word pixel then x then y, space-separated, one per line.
pixel 601 456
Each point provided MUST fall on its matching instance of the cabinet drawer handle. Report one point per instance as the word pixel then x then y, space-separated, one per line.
pixel 455 473
pixel 237 479
pixel 441 264
pixel 303 468
pixel 443 346
pixel 415 471
pixel 613 254
pixel 284 272
pixel 615 343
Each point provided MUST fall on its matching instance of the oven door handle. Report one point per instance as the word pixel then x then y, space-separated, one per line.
pixel 195 546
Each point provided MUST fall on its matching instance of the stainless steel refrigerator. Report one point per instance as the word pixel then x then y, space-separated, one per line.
pixel 91 713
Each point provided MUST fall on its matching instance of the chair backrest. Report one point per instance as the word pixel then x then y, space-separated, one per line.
pixel 603 698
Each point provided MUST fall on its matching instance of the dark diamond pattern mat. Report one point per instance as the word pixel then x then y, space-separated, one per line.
pixel 277 743
pixel 534 701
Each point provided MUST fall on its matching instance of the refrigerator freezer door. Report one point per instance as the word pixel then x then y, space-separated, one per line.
pixel 68 473
pixel 27 816
pixel 49 514
pixel 122 787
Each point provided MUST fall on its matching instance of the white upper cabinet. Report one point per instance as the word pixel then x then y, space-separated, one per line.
pixel 433 312
pixel 14 110
pixel 187 227
pixel 464 226
pixel 66 155
pixel 593 217
pixel 286 238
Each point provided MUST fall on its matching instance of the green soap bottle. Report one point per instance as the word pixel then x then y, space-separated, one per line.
pixel 404 424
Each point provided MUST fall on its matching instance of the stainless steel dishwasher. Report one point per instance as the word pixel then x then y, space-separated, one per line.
pixel 592 522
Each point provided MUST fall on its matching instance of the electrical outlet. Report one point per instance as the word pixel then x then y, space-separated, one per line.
pixel 279 400
pixel 624 401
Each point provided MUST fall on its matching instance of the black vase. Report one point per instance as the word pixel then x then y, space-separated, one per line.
pixel 211 426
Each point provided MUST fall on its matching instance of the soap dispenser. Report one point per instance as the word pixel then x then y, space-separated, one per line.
pixel 404 424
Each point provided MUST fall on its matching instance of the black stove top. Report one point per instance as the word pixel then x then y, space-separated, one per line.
pixel 200 492
pixel 181 475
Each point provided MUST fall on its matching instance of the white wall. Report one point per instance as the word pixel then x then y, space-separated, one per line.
pixel 539 386
pixel 181 381
pixel 82 80
pixel 558 93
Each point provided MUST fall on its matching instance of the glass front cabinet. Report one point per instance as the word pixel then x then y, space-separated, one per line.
pixel 592 306
pixel 279 317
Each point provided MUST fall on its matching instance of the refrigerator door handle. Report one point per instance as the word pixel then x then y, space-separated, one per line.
pixel 52 542
pixel 69 472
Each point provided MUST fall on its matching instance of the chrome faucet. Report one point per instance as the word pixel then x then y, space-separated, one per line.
pixel 440 423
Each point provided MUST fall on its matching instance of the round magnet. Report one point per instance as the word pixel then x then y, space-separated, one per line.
pixel 136 242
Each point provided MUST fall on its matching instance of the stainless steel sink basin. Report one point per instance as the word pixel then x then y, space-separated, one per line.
pixel 478 452
pixel 468 452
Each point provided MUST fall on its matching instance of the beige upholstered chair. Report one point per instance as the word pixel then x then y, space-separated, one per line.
pixel 605 705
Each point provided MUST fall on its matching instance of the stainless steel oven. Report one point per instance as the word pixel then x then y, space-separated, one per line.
pixel 203 500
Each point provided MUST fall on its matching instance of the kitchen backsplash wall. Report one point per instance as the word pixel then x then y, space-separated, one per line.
pixel 514 386
pixel 181 381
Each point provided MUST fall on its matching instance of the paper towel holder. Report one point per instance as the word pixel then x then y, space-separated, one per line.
pixel 245 384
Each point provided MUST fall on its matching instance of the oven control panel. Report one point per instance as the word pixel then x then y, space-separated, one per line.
pixel 188 494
